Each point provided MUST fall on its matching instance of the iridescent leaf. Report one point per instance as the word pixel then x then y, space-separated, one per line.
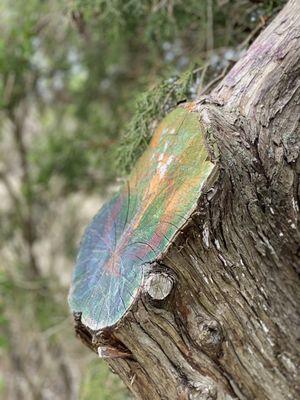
pixel 137 225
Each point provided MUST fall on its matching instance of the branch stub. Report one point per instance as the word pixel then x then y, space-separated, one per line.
pixel 159 285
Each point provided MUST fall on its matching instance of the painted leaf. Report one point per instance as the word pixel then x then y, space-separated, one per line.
pixel 137 225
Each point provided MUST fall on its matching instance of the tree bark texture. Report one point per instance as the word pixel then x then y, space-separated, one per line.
pixel 220 319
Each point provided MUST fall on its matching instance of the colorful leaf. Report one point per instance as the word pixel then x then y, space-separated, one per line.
pixel 137 225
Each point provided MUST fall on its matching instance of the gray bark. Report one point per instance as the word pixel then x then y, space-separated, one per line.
pixel 225 324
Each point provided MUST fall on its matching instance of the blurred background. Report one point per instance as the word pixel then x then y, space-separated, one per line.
pixel 82 86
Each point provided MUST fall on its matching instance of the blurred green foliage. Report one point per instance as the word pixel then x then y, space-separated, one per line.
pixel 151 106
pixel 82 85
pixel 98 372
pixel 2 384
pixel 159 44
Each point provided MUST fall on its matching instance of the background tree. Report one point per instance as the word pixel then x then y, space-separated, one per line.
pixel 83 84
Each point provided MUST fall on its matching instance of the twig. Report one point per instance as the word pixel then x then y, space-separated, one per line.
pixel 252 34
pixel 204 70
pixel 214 81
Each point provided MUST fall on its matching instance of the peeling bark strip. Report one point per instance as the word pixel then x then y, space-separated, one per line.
pixel 229 327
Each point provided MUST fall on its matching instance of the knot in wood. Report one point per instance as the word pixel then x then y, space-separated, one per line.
pixel 204 391
pixel 210 335
pixel 159 285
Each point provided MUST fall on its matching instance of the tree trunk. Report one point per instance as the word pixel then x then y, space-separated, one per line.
pixel 229 327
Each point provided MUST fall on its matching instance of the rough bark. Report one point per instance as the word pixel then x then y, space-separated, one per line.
pixel 222 321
